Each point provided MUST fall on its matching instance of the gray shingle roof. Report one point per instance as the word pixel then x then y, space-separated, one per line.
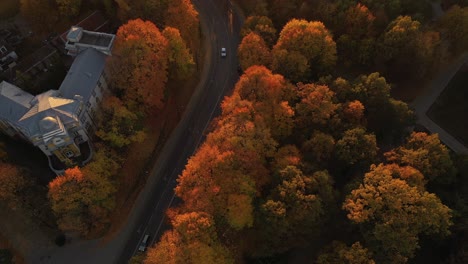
pixel 14 102
pixel 83 75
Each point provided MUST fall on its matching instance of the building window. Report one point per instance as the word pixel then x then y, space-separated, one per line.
pixel 94 92
pixel 88 104
pixel 69 154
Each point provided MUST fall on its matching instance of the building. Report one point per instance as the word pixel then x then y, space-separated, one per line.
pixel 60 122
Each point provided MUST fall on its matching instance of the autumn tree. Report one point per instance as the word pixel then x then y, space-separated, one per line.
pixel 119 126
pixel 69 8
pixel 253 51
pixel 294 209
pixel 339 253
pixel 454 25
pixel 12 184
pixel 427 154
pixel 81 200
pixel 181 63
pixel 396 212
pixel 181 14
pixel 262 26
pixel 269 94
pixel 356 146
pixel 317 105
pixel 288 155
pixel 192 240
pixel 138 69
pixel 309 39
pixel 356 46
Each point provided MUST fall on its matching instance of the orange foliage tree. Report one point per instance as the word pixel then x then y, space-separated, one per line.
pixel 253 51
pixel 192 240
pixel 138 68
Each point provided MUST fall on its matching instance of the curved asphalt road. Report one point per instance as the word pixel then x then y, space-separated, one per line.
pixel 220 25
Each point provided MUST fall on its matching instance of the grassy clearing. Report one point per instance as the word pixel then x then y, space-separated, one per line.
pixel 451 109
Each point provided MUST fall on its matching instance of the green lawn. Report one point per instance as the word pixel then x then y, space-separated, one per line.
pixel 450 110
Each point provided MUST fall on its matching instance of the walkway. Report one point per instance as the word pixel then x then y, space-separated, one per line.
pixel 423 102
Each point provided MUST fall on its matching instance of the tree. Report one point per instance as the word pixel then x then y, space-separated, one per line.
pixel 81 200
pixel 396 212
pixel 356 147
pixel 406 48
pixel 69 8
pixel 12 184
pixel 181 14
pixel 152 10
pixel 454 25
pixel 339 253
pixel 262 26
pixel 268 94
pixel 138 69
pixel 316 106
pixel 288 155
pixel 293 210
pixel 253 51
pixel 192 240
pixel 119 125
pixel 319 148
pixel 290 64
pixel 310 39
pixel 353 112
pixel 181 63
pixel 427 154
pixel 39 13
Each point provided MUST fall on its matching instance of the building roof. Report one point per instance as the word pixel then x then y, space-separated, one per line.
pixel 83 75
pixel 93 22
pixel 14 102
pixel 48 106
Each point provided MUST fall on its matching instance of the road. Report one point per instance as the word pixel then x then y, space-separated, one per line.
pixel 220 24
pixel 424 101
pixel 219 79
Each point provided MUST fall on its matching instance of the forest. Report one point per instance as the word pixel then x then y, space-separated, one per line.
pixel 316 152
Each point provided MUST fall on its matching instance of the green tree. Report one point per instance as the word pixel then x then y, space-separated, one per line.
pixel 339 253
pixel 356 147
pixel 395 213
pixel 407 49
pixel 69 8
pixel 454 25
pixel 40 14
pixel 294 209
pixel 181 63
pixel 319 148
pixel 12 185
pixel 119 126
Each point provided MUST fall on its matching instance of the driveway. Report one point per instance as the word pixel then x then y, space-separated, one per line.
pixel 424 101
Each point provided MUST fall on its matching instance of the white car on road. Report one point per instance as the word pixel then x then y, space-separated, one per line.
pixel 223 52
